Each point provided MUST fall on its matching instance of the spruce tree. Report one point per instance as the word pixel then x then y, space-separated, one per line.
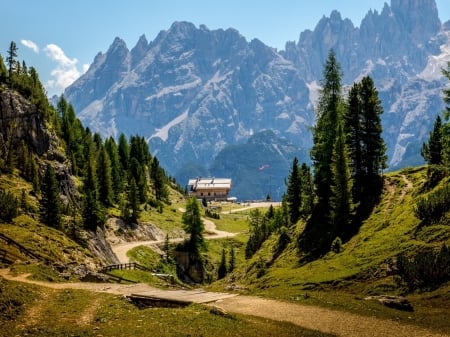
pixel 124 151
pixel 104 174
pixel 432 150
pixel 232 261
pixel 294 192
pixel 353 131
pixel 222 272
pixel 446 125
pixel 132 204
pixel 93 215
pixel 307 197
pixel 11 59
pixel 324 133
pixel 50 204
pixel 158 177
pixel 341 197
pixel 117 174
pixel 374 151
pixel 194 226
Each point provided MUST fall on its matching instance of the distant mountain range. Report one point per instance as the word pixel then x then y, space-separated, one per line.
pixel 206 99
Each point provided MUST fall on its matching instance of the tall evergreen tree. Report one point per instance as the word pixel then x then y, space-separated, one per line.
pixel 307 197
pixel 194 226
pixel 353 121
pixel 124 151
pixel 158 178
pixel 374 148
pixel 50 204
pixel 232 261
pixel 329 109
pixel 11 59
pixel 117 174
pixel 341 188
pixel 104 174
pixel 294 192
pixel 432 150
pixel 446 125
pixel 222 271
pixel 132 205
pixel 93 215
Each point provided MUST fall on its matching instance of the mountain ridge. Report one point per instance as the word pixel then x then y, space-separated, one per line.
pixel 193 91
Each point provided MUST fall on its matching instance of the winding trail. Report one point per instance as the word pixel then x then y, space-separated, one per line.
pixel 211 233
pixel 321 319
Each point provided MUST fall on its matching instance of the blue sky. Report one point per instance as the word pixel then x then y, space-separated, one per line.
pixel 60 38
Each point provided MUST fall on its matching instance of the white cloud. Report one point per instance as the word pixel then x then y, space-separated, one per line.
pixel 30 44
pixel 66 71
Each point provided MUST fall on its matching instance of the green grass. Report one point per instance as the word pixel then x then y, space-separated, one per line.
pixel 81 313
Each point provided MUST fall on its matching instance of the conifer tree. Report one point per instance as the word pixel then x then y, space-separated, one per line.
pixel 50 204
pixel 324 133
pixel 307 197
pixel 341 197
pixel 158 177
pixel 222 272
pixel 124 151
pixel 294 192
pixel 232 261
pixel 3 71
pixel 104 174
pixel 194 226
pixel 133 204
pixel 11 59
pixel 446 125
pixel 432 150
pixel 117 174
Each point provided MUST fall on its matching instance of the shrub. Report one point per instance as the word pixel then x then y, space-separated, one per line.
pixel 9 206
pixel 426 270
pixel 432 208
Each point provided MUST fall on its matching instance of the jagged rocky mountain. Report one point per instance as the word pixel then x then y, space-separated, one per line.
pixel 193 92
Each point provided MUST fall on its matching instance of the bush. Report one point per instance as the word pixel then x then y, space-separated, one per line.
pixel 432 208
pixel 336 246
pixel 9 206
pixel 426 270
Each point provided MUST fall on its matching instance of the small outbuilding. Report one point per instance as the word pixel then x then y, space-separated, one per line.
pixel 216 189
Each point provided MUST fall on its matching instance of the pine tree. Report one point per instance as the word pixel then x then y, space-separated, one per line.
pixel 50 204
pixel 446 125
pixel 3 71
pixel 222 272
pixel 354 143
pixel 158 177
pixel 11 60
pixel 324 133
pixel 193 225
pixel 341 198
pixel 232 261
pixel 432 150
pixel 132 203
pixel 307 197
pixel 124 151
pixel 93 215
pixel 104 174
pixel 374 149
pixel 294 192
pixel 117 174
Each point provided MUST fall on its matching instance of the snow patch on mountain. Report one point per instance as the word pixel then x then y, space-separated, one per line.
pixel 163 133
pixel 175 89
pixel 433 69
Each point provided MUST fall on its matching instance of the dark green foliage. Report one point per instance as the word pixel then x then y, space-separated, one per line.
pixel 324 133
pixel 259 232
pixel 432 208
pixel 341 199
pixel 11 60
pixel 432 150
pixel 104 174
pixel 9 206
pixel 50 204
pixel 211 214
pixel 132 209
pixel 159 180
pixel 124 151
pixel 3 71
pixel 117 173
pixel 232 261
pixel 307 197
pixel 194 226
pixel 336 246
pixel 294 192
pixel 283 240
pixel 426 270
pixel 93 213
pixel 222 271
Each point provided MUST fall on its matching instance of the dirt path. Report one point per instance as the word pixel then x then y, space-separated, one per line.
pixel 325 320
pixel 211 233
pixel 311 317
